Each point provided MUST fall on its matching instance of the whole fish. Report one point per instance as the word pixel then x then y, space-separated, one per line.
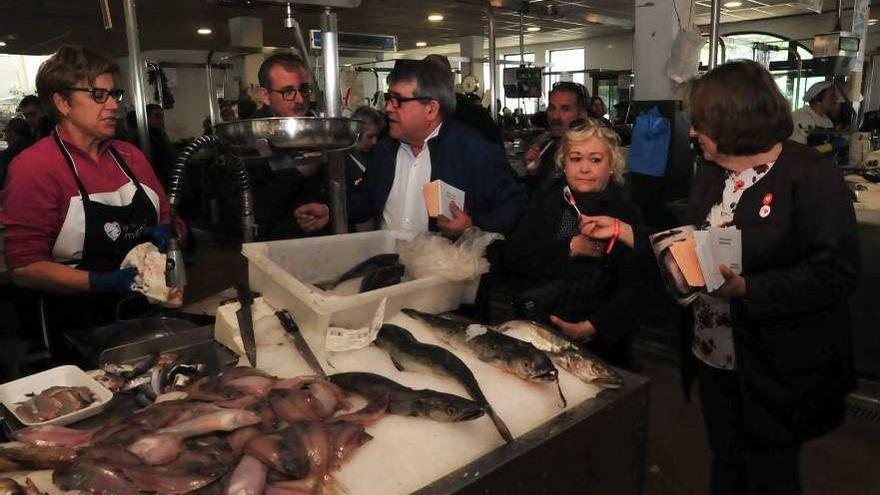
pixel 248 478
pixel 409 354
pixel 587 368
pixel 566 354
pixel 220 420
pixel 92 476
pixel 405 401
pixel 537 334
pixel 382 277
pixel 362 269
pixel 9 486
pixel 20 454
pixel 507 353
pixel 54 436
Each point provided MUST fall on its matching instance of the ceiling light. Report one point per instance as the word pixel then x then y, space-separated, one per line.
pixel 421 44
pixel 732 5
pixel 871 22
pixel 533 29
pixel 2 43
pixel 435 17
pixel 204 31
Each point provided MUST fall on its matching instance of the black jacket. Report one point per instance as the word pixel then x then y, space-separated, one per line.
pixel 546 280
pixel 460 157
pixel 791 332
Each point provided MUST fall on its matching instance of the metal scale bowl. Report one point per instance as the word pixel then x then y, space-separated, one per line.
pixel 302 133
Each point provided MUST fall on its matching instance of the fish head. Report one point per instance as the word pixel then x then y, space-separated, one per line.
pixel 536 367
pixel 450 409
pixel 605 376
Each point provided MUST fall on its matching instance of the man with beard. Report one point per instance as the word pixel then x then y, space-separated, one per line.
pixel 289 189
pixel 568 102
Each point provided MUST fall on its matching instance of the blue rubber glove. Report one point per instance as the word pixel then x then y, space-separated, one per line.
pixel 160 235
pixel 116 281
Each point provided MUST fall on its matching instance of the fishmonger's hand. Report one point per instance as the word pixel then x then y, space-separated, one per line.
pixel 115 281
pixel 312 216
pixel 583 331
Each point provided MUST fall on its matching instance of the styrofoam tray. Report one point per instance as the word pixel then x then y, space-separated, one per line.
pixel 15 392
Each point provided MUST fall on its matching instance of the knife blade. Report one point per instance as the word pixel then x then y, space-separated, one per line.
pixel 246 323
pixel 301 345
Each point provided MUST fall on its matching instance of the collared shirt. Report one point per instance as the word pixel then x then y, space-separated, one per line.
pixel 41 196
pixel 405 206
pixel 805 121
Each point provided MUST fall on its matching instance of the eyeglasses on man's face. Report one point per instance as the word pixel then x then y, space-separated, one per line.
pixel 396 100
pixel 100 95
pixel 288 93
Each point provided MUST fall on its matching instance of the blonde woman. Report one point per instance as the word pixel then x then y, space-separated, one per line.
pixel 585 287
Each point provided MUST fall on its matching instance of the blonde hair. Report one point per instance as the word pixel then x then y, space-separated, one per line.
pixel 589 129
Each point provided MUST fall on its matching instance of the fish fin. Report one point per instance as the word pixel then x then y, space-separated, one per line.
pixel 397 364
pixel 499 424
pixel 561 395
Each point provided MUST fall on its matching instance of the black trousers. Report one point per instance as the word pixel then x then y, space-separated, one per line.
pixel 740 467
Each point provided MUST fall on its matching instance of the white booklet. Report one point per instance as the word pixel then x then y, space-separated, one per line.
pixel 689 259
pixel 438 195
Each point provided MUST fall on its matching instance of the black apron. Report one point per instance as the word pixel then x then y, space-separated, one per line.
pixel 110 233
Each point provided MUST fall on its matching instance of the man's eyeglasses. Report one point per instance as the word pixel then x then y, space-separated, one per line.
pixel 289 93
pixel 100 95
pixel 397 101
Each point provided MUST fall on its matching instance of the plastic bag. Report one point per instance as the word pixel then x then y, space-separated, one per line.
pixel 684 62
pixel 649 151
pixel 430 254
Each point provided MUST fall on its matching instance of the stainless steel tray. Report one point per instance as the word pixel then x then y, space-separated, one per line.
pixel 303 133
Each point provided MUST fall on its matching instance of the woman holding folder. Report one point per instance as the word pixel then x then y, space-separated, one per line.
pixel 771 348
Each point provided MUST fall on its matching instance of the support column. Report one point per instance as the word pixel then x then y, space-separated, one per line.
pixel 656 29
pixel 471 47
pixel 247 32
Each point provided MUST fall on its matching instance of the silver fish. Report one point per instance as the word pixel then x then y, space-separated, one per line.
pixel 499 350
pixel 405 401
pixel 409 354
pixel 537 334
pixel 587 368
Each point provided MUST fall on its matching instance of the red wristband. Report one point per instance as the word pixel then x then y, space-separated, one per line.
pixel 613 236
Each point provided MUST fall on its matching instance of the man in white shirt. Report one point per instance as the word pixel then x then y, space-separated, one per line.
pixel 822 99
pixel 424 145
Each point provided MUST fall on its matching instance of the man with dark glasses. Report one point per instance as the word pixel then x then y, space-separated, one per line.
pixel 289 189
pixel 569 101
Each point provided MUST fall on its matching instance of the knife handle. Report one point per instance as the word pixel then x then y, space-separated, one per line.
pixel 287 321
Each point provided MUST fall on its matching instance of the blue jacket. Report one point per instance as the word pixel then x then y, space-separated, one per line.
pixel 460 157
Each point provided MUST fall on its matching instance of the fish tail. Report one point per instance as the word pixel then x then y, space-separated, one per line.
pixel 499 424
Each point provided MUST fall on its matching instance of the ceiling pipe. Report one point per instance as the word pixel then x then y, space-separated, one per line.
pixel 493 61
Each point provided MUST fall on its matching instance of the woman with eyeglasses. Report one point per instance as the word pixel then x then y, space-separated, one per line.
pixel 78 200
pixel 589 289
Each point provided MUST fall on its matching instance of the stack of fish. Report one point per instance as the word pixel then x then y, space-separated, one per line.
pixel 382 270
pixel 241 432
pixel 54 402
pixel 151 377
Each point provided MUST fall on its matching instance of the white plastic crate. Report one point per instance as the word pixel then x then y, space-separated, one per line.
pixel 283 272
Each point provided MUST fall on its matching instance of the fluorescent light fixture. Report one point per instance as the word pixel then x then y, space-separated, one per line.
pixel 871 22
pixel 435 17
pixel 2 43
pixel 732 5
pixel 533 29
pixel 204 31
pixel 421 44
